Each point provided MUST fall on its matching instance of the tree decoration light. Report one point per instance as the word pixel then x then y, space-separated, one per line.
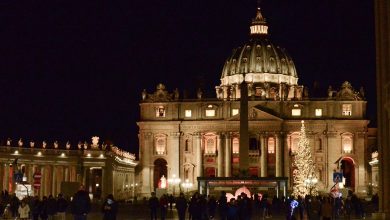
pixel 304 168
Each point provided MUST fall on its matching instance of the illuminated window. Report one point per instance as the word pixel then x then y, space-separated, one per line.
pixel 236 145
pixel 160 145
pixel 318 112
pixel 296 112
pixel 210 112
pixel 294 142
pixel 188 113
pixel 271 145
pixel 347 109
pixel 234 112
pixel 347 143
pixel 210 145
pixel 160 112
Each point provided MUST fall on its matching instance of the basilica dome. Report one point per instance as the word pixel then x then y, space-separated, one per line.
pixel 261 62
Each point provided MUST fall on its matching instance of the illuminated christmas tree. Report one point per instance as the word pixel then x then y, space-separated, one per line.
pixel 305 181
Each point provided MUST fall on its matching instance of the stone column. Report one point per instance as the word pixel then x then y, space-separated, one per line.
pixel 220 156
pixel 173 152
pixel 146 152
pixel 6 176
pixel 199 156
pixel 1 176
pixel 286 153
pixel 263 157
pixel 279 155
pixel 382 30
pixel 228 155
pixel 53 180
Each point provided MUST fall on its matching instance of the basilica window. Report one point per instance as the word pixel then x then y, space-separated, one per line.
pixel 271 145
pixel 347 109
pixel 296 112
pixel 210 143
pixel 210 111
pixel 188 113
pixel 160 145
pixel 253 144
pixel 236 145
pixel 294 140
pixel 318 112
pixel 160 112
pixel 347 143
pixel 235 111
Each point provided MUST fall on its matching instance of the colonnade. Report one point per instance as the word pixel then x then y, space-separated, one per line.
pixel 51 177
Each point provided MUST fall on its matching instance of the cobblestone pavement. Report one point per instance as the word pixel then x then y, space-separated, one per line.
pixel 141 212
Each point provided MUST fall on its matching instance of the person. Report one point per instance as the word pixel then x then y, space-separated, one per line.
pixel 62 205
pixel 14 205
pixel 109 208
pixel 153 205
pixel 81 204
pixel 163 206
pixel 7 214
pixel 43 209
pixel 222 208
pixel 51 207
pixel 232 210
pixel 171 200
pixel 326 209
pixel 212 206
pixel 181 206
pixel 35 208
pixel 24 211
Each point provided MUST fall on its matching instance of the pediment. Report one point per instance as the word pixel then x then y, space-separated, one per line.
pixel 259 113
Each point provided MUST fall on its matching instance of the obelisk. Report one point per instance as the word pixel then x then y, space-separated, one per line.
pixel 244 136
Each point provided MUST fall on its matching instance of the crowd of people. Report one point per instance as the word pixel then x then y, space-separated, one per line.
pixel 197 207
pixel 32 207
pixel 200 207
pixel 50 207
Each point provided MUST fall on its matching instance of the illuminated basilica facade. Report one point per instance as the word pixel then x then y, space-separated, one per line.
pixel 200 137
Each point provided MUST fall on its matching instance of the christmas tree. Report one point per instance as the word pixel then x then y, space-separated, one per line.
pixel 304 178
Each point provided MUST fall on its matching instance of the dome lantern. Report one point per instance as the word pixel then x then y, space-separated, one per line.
pixel 259 25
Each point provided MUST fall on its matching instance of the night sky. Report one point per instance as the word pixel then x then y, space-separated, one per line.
pixel 74 69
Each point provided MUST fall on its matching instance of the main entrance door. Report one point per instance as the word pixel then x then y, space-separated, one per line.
pixel 348 172
pixel 160 169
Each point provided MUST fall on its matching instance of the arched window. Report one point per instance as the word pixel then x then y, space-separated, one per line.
pixel 160 144
pixel 347 143
pixel 236 145
pixel 294 140
pixel 210 146
pixel 271 145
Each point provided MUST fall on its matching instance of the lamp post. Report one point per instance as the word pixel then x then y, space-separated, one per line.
pixel 310 182
pixel 133 185
pixel 187 185
pixel 174 181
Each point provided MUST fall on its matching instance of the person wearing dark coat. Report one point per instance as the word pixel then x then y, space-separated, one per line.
pixel 109 208
pixel 222 205
pixel 35 208
pixel 181 206
pixel 43 209
pixel 163 206
pixel 153 205
pixel 62 205
pixel 51 207
pixel 81 204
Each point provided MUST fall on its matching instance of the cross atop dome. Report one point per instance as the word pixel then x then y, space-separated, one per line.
pixel 259 25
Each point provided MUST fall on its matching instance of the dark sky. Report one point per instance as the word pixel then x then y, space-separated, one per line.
pixel 73 69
